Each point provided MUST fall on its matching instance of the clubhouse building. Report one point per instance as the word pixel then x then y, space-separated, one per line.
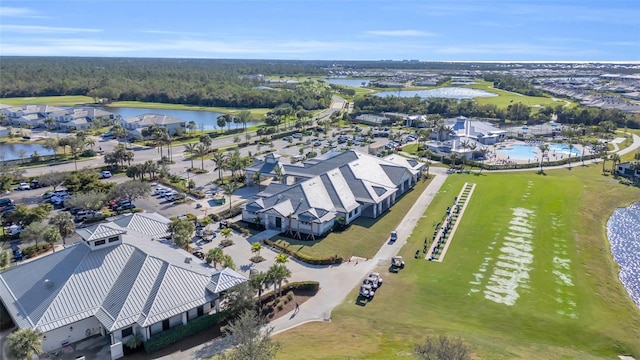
pixel 334 188
pixel 123 279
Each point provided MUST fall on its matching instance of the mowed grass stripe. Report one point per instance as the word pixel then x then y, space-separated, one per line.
pixel 570 208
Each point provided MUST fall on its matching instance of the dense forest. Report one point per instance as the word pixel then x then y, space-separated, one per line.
pixel 510 83
pixel 178 81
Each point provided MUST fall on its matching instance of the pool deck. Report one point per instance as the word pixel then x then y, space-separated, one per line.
pixel 495 156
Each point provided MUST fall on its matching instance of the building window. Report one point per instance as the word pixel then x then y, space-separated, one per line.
pixel 99 242
pixel 127 331
pixel 114 238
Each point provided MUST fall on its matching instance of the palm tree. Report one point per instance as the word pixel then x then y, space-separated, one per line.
pixel 615 159
pixel 214 256
pixel 235 164
pixel 278 172
pixel 90 142
pixel 192 128
pixel 282 259
pixel 219 159
pixel 201 151
pixel 190 149
pixel 604 156
pixel 483 152
pixel 228 189
pixel 49 121
pixel 63 221
pixel 570 150
pixel 25 343
pixel 258 281
pixel 278 273
pixel 544 147
pixel 256 247
pixel 257 179
pixel 226 232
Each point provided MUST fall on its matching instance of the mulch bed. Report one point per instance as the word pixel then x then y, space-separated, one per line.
pixel 300 297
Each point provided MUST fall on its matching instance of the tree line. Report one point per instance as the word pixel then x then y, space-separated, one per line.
pixel 177 81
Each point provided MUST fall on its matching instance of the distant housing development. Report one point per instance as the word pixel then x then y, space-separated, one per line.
pixel 138 123
pixel 33 116
pixel 333 188
pixel 121 280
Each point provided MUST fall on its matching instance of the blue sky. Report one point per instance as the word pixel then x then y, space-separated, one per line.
pixel 432 30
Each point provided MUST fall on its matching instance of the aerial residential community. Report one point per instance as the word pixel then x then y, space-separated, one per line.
pixel 179 187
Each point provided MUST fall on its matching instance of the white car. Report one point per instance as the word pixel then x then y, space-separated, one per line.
pixel 24 186
pixel 106 174
pixel 158 190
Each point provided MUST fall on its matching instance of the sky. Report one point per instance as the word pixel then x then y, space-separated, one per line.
pixel 428 30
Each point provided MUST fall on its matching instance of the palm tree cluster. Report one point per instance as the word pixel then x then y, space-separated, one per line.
pixel 161 138
pixel 276 275
pixel 139 170
pixel 119 156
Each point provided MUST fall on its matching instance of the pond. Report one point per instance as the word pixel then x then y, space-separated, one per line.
pixel 15 151
pixel 348 81
pixel 623 231
pixel 445 92
pixel 206 120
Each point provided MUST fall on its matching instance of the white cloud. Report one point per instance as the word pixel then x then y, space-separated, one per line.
pixel 18 12
pixel 525 51
pixel 399 33
pixel 38 29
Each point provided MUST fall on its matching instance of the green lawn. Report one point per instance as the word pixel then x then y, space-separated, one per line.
pixel 363 238
pixel 506 98
pixel 49 100
pixel 258 113
pixel 569 305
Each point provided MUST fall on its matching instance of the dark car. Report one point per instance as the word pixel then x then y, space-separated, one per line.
pixel 17 253
pixel 5 202
pixel 8 209
pixel 123 207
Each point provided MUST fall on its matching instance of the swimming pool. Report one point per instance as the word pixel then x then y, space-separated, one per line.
pixel 530 152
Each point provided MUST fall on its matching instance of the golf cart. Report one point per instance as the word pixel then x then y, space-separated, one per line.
pixel 367 291
pixel 370 281
pixel 377 278
pixel 397 262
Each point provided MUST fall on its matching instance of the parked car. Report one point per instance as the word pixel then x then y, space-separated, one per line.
pixel 24 186
pixel 297 135
pixel 176 197
pixel 5 202
pixel 8 209
pixel 394 236
pixel 35 184
pixel 169 194
pixel 86 214
pixel 13 230
pixel 158 190
pixel 123 207
pixel 114 204
pixel 105 174
pixel 163 192
pixel 17 253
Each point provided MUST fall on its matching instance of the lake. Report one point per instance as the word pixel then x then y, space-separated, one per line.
pixel 445 92
pixel 623 231
pixel 348 81
pixel 206 120
pixel 12 151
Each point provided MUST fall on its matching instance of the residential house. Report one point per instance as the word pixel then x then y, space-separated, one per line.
pixel 30 115
pixel 337 187
pixel 123 279
pixel 630 169
pixel 137 123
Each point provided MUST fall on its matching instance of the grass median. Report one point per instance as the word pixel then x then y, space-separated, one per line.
pixel 566 301
pixel 363 238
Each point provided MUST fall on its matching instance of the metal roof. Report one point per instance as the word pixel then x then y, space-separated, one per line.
pixel 224 279
pixel 137 281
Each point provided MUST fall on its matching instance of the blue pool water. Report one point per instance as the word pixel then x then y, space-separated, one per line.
pixel 530 152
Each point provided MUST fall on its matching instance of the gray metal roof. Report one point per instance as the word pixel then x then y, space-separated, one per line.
pixel 138 281
pixel 225 279
pixel 99 231
pixel 150 224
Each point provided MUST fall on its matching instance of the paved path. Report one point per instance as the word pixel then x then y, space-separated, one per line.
pixel 336 281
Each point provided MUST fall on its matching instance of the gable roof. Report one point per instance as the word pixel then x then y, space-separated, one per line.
pixel 138 281
pixel 225 279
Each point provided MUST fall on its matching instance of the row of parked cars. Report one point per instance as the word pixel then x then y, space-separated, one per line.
pixel 167 194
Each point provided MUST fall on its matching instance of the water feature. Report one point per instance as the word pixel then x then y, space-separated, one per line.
pixel 13 151
pixel 623 231
pixel 444 92
pixel 206 120
pixel 530 152
pixel 348 81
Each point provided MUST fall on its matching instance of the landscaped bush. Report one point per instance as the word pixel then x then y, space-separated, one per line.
pixel 306 286
pixel 226 214
pixel 178 333
pixel 33 250
pixel 226 242
pixel 305 258
pixel 239 229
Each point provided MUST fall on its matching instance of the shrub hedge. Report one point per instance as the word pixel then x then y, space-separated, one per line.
pixel 33 250
pixel 226 214
pixel 178 333
pixel 311 286
pixel 305 258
